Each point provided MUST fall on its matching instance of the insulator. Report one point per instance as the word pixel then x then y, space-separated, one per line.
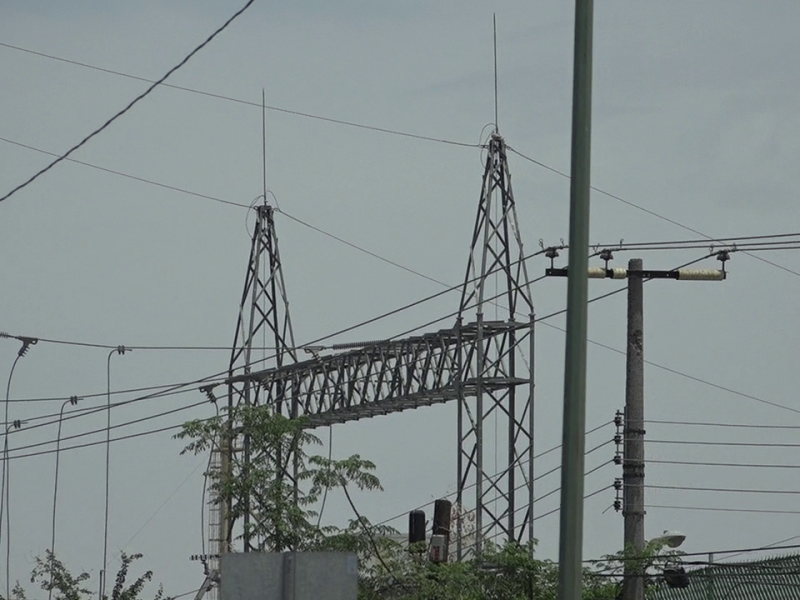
pixel 596 273
pixel 701 274
pixel 209 392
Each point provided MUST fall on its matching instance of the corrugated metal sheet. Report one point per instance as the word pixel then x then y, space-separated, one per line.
pixel 771 579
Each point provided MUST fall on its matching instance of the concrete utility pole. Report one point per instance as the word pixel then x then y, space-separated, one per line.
pixel 633 432
pixel 570 551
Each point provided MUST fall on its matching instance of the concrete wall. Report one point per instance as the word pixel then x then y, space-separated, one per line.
pixel 289 576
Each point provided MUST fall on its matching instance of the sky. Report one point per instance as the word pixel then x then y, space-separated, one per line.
pixel 694 118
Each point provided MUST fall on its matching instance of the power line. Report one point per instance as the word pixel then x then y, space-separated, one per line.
pixel 726 240
pixel 725 509
pixel 78 413
pixel 129 176
pixel 163 504
pixel 706 552
pixel 648 211
pixel 720 464
pixel 117 426
pixel 686 375
pixel 771 546
pixel 711 424
pixel 248 103
pixel 130 104
pixel 725 490
pixel 360 249
pixel 712 443
pixel 99 442
pixel 541 454
pixel 216 199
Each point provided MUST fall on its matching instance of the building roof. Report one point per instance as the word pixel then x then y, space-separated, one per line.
pixel 770 579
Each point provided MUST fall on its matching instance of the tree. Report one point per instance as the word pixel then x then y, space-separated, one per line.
pixel 281 482
pixel 54 578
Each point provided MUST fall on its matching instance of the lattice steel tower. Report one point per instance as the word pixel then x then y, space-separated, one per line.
pixel 496 284
pixel 263 321
pixel 475 363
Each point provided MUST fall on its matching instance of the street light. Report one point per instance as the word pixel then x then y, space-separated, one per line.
pixel 117 350
pixel 674 575
pixel 73 400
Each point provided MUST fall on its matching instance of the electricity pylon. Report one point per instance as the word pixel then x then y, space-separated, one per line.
pixel 474 363
pixel 263 321
pixel 496 283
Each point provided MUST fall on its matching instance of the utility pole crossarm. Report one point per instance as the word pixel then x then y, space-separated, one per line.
pixel 622 273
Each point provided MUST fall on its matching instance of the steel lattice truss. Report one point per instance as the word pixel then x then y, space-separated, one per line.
pixel 475 363
pixel 386 377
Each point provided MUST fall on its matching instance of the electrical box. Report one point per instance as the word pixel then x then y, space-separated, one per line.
pixel 438 548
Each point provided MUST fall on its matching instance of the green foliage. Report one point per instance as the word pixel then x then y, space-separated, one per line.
pixel 509 572
pixel 51 575
pixel 282 517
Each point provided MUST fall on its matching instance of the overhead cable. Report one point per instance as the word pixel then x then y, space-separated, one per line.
pixel 248 103
pixel 130 104
pixel 648 211
pixel 541 454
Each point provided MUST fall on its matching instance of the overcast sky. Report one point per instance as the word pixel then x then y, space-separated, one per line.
pixel 695 118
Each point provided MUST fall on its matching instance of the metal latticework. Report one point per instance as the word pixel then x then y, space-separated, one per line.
pixel 475 363
pixel 385 377
pixel 495 423
pixel 263 321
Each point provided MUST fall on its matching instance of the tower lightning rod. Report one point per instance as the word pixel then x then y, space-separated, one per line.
pixel 264 140
pixel 570 553
pixel 494 27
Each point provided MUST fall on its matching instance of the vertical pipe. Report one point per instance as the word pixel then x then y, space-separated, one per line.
pixel 574 424
pixel 531 421
pixel 710 581
pixel 460 434
pixel 512 435
pixel 479 436
pixel 633 433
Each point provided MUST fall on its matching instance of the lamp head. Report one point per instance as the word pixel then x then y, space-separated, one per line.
pixel 672 539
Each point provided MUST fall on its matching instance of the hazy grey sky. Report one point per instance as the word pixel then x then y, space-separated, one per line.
pixel 695 118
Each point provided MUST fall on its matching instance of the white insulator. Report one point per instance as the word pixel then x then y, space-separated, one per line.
pixel 619 273
pixel 597 273
pixel 701 274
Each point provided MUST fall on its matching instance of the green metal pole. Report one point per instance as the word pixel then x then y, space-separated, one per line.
pixel 572 460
